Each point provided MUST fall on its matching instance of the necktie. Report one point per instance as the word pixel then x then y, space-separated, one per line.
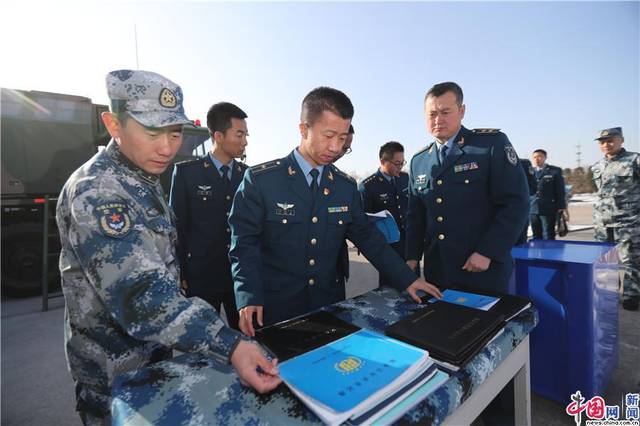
pixel 314 183
pixel 225 175
pixel 443 153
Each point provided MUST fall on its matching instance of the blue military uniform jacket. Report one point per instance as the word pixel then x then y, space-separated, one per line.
pixel 529 173
pixel 284 250
pixel 202 204
pixel 550 194
pixel 380 194
pixel 477 201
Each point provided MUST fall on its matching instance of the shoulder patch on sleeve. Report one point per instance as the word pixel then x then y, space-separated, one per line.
pixel 342 174
pixel 512 157
pixel 483 131
pixel 114 219
pixel 265 167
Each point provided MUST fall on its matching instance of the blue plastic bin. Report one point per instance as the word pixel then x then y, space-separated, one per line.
pixel 574 285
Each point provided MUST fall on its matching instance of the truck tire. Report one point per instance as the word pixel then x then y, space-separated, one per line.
pixel 22 260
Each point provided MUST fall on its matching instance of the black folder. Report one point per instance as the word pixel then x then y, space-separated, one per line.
pixel 451 333
pixel 290 338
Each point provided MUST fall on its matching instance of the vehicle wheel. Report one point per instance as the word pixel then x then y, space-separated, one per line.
pixel 22 260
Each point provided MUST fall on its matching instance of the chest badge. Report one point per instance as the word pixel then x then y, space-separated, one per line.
pixel 285 209
pixel 204 190
pixel 420 179
pixel 338 209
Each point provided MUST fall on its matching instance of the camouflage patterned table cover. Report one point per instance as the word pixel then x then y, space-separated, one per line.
pixel 194 390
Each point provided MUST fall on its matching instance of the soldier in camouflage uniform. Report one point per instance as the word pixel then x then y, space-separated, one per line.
pixel 120 277
pixel 617 210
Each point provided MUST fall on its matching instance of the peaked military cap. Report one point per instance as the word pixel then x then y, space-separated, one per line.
pixel 149 98
pixel 609 133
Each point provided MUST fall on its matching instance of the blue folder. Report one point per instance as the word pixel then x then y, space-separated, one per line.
pixel 471 300
pixel 386 224
pixel 344 373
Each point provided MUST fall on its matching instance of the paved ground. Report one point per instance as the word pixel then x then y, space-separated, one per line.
pixel 37 390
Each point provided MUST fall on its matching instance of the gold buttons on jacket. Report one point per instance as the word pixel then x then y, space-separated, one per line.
pixel 439 181
pixel 314 219
pixel 228 230
pixel 228 197
pixel 439 200
pixel 284 220
pixel 312 262
pixel 313 241
pixel 340 222
pixel 440 218
pixel 466 181
pixel 228 245
pixel 312 281
pixel 441 237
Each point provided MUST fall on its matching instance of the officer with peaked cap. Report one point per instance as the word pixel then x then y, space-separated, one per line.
pixel 120 277
pixel 617 210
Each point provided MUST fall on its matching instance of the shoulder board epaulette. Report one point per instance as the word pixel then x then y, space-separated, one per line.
pixel 342 174
pixel 424 149
pixel 369 179
pixel 265 167
pixel 486 131
pixel 189 162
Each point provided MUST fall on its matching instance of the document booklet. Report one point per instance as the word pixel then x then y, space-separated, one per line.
pixel 386 224
pixel 471 300
pixel 348 377
pixel 296 336
pixel 507 305
pixel 451 333
pixel 411 400
pixel 425 379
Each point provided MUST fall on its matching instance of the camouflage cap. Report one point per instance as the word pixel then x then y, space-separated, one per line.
pixel 609 133
pixel 151 99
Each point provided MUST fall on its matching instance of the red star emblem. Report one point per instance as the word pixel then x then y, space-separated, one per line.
pixel 115 217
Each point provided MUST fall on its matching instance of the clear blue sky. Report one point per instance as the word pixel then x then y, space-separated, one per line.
pixel 549 74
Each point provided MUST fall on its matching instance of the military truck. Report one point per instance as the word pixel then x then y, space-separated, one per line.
pixel 44 138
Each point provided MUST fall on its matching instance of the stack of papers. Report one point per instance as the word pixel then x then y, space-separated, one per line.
pixel 361 377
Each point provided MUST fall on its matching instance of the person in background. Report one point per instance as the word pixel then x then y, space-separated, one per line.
pixel 202 191
pixel 617 210
pixel 387 189
pixel 549 198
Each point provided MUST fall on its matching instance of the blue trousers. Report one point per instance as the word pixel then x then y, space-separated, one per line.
pixel 543 226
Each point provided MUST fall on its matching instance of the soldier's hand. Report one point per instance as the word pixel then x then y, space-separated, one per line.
pixel 413 264
pixel 246 319
pixel 421 284
pixel 254 369
pixel 476 263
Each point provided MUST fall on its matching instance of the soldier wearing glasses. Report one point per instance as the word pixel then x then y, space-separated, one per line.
pixel 387 189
